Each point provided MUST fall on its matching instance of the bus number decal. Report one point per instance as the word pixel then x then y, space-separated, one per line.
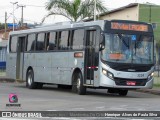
pixel 140 75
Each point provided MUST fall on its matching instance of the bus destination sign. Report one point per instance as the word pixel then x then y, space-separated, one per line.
pixel 129 26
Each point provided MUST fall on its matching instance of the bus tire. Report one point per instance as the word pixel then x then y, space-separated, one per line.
pixel 123 92
pixel 39 85
pixel 30 80
pixel 77 84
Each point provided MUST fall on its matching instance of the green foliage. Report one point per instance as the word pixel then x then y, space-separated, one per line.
pixel 151 14
pixel 2 26
pixel 74 10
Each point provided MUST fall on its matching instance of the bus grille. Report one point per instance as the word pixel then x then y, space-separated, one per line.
pixel 123 82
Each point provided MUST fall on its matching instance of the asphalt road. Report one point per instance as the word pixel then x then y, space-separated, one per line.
pixel 51 98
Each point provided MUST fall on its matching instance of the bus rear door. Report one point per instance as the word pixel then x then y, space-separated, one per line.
pixel 20 57
pixel 15 58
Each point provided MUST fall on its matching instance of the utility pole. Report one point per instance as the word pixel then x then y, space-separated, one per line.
pixel 95 7
pixel 5 26
pixel 150 13
pixel 13 13
pixel 22 6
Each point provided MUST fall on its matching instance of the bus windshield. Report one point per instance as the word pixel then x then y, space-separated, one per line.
pixel 127 48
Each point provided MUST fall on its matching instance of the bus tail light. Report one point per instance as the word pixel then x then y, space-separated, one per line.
pixel 78 54
pixel 92 67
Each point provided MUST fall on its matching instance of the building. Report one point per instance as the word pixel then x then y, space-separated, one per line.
pixel 3 45
pixel 10 25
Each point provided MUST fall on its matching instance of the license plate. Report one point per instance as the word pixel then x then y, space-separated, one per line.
pixel 131 83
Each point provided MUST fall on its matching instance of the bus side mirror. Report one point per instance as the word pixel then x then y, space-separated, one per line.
pixel 102 43
pixel 154 59
pixel 101 46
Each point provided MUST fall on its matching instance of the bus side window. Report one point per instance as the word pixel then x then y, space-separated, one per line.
pixel 13 44
pixel 78 39
pixel 31 42
pixel 63 40
pixel 40 42
pixel 51 40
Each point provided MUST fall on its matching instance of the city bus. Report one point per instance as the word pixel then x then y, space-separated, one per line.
pixel 117 55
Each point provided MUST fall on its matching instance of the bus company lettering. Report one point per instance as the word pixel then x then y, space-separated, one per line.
pixel 127 26
pixel 27 114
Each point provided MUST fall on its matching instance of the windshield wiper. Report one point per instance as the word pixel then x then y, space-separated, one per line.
pixel 121 37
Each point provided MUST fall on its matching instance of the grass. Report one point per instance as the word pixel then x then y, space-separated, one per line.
pixel 156 80
pixel 156 85
pixel 2 73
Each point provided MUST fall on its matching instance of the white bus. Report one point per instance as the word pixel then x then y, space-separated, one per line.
pixel 117 55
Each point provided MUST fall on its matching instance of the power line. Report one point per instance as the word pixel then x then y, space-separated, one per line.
pixel 11 13
pixel 29 20
pixel 4 7
pixel 35 6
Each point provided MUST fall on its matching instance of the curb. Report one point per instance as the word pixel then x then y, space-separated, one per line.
pixel 4 80
pixel 9 80
pixel 155 92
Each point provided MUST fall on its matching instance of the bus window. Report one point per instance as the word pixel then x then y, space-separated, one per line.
pixel 63 40
pixel 51 40
pixel 31 42
pixel 13 44
pixel 40 41
pixel 78 38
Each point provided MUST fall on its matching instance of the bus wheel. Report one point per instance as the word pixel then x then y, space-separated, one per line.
pixel 123 92
pixel 77 85
pixel 30 80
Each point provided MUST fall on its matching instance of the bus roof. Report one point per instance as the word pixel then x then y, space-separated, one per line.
pixel 62 26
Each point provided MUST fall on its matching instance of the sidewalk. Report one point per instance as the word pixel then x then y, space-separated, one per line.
pixel 155 90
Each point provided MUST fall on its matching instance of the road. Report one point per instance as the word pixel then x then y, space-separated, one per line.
pixel 51 98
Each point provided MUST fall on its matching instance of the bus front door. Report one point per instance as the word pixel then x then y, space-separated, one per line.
pixel 20 57
pixel 90 57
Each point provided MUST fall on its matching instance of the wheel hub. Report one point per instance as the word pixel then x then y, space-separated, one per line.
pixel 29 80
pixel 78 83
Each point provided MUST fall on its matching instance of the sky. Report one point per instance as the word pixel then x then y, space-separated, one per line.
pixel 35 10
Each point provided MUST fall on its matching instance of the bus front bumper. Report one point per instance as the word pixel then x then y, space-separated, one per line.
pixel 112 84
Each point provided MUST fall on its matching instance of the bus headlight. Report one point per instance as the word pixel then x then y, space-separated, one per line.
pixel 108 74
pixel 150 76
pixel 104 72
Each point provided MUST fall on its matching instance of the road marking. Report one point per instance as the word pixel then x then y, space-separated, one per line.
pixel 102 107
pixel 16 119
pixel 77 108
pixel 51 110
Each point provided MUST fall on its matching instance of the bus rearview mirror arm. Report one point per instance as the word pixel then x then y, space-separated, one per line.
pixel 102 43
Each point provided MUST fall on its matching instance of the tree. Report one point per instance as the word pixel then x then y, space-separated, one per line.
pixel 2 26
pixel 74 10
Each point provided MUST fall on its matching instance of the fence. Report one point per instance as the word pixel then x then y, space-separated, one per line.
pixel 3 52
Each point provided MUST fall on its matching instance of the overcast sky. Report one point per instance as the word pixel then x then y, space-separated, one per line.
pixel 35 10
